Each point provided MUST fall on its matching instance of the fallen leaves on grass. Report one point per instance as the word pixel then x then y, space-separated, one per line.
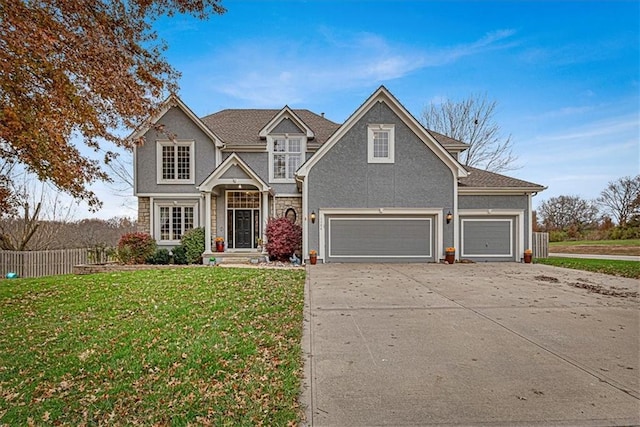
pixel 189 346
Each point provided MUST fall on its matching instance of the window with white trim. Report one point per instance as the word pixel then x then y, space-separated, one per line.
pixel 380 143
pixel 173 220
pixel 285 157
pixel 175 162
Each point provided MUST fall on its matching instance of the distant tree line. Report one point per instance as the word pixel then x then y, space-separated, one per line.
pixel 615 214
pixel 17 233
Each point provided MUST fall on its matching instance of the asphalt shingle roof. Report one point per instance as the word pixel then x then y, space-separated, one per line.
pixel 242 126
pixel 237 127
pixel 479 178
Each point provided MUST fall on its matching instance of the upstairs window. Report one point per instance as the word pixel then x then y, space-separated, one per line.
pixel 175 162
pixel 285 157
pixel 381 143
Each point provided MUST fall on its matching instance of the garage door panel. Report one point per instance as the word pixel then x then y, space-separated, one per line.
pixel 357 237
pixel 487 238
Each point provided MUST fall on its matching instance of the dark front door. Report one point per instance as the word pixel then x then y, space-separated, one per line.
pixel 242 228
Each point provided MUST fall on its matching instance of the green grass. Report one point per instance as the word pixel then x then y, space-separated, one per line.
pixel 613 267
pixel 628 242
pixel 200 346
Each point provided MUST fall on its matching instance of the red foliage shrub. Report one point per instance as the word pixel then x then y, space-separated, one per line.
pixel 283 238
pixel 135 248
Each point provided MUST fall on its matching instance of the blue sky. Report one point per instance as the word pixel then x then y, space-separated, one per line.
pixel 565 75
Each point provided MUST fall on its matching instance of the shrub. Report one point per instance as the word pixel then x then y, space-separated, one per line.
pixel 135 248
pixel 193 243
pixel 283 238
pixel 557 236
pixel 160 257
pixel 180 255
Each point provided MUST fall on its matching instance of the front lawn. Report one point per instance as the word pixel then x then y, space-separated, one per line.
pixel 614 267
pixel 200 346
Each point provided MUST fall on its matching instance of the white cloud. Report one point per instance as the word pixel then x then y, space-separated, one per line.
pixel 273 72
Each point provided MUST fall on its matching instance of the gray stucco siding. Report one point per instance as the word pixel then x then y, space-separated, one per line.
pixel 175 123
pixel 343 178
pixel 286 126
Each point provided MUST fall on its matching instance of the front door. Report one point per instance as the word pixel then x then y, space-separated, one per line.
pixel 242 229
pixel 243 219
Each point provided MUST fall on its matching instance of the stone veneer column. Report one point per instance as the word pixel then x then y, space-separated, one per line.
pixel 284 203
pixel 144 215
pixel 214 223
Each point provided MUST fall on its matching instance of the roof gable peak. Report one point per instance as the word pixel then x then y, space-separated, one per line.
pixel 174 101
pixel 286 113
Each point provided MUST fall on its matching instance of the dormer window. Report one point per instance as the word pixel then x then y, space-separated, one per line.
pixel 285 156
pixel 381 143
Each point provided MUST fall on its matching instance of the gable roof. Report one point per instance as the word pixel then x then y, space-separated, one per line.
pixel 447 142
pixel 479 180
pixel 238 127
pixel 216 177
pixel 174 101
pixel 383 95
pixel 285 113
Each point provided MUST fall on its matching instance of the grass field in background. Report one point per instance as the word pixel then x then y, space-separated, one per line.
pixel 629 242
pixel 201 346
pixel 597 247
pixel 613 267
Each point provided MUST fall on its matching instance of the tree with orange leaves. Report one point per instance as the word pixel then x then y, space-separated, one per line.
pixel 81 69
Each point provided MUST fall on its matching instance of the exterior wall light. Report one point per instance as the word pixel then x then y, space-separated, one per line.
pixel 449 217
pixel 313 217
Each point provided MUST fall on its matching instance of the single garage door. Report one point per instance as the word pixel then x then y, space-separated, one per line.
pixel 379 238
pixel 486 239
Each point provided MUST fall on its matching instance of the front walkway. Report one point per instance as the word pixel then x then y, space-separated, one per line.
pixel 491 344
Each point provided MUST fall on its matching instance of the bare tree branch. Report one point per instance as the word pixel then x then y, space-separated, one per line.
pixel 621 199
pixel 472 121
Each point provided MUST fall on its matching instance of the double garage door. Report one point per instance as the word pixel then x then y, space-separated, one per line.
pixel 380 238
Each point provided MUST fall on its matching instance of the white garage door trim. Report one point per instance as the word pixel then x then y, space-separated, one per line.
pixel 435 213
pixel 503 255
pixel 487 214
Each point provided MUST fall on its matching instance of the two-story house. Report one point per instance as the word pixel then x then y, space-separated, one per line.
pixel 377 188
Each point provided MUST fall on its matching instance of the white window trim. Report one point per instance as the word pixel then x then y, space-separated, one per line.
pixel 173 204
pixel 381 127
pixel 270 143
pixel 192 161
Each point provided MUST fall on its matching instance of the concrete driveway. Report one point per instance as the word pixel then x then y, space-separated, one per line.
pixel 470 344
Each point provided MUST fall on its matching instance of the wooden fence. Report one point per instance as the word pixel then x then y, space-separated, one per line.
pixel 540 246
pixel 48 263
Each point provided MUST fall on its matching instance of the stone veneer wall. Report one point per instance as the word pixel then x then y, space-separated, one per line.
pixel 284 203
pixel 144 215
pixel 214 224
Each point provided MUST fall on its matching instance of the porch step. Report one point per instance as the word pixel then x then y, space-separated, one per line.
pixel 238 257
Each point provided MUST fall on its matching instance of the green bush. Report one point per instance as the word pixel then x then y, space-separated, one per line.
pixel 135 248
pixel 180 255
pixel 557 236
pixel 193 243
pixel 160 257
pixel 623 233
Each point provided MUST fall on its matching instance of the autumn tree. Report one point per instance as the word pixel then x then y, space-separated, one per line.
pixel 621 199
pixel 80 71
pixel 564 212
pixel 472 121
